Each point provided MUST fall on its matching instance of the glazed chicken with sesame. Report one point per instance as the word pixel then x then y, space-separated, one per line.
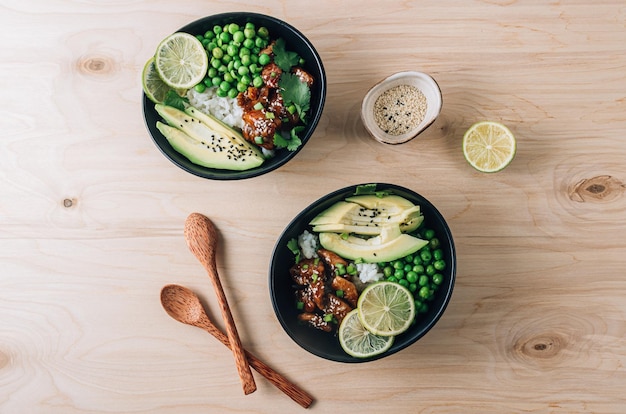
pixel 319 287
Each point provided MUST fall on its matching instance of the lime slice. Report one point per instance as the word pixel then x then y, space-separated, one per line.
pixel 358 341
pixel 181 61
pixel 386 308
pixel 154 88
pixel 488 146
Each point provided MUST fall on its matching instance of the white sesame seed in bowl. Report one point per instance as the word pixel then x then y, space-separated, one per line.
pixel 401 106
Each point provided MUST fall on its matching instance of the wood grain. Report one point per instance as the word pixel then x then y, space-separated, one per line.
pixel 92 214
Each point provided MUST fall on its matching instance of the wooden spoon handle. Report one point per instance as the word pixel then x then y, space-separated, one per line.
pixel 247 380
pixel 293 391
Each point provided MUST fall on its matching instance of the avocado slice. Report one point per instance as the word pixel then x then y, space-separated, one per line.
pixel 367 214
pixel 390 245
pixel 214 146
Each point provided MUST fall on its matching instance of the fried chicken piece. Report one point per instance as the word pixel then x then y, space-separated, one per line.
pixel 331 259
pixel 271 74
pixel 350 293
pixel 316 321
pixel 337 307
pixel 304 76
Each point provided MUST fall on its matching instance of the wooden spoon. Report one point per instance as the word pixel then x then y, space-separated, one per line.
pixel 183 305
pixel 201 238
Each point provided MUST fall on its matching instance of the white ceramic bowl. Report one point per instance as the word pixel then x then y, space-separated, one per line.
pixel 424 82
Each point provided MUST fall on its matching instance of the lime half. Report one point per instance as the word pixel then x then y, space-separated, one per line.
pixel 154 88
pixel 181 61
pixel 386 308
pixel 358 341
pixel 489 146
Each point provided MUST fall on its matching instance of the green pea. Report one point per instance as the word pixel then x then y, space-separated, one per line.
pixel 243 70
pixel 217 53
pixel 233 28
pixel 423 308
pixel 418 269
pixel 437 278
pixel 411 276
pixel 387 271
pixel 434 243
pixel 412 287
pixel 244 52
pixel 249 25
pixel 212 72
pixel 398 273
pixel 201 87
pixel 246 80
pixel 260 42
pixel 426 255
pixel 200 37
pixel 205 42
pixel 429 234
pixel 430 270
pixel 216 80
pixel 238 37
pixel 424 292
pixel 263 32
pixel 222 68
pixel 438 254
pixel 417 259
pixel 232 50
pixel 397 264
pixel 232 93
pixel 407 267
pixel 228 78
pixel 225 37
pixel 254 68
pixel 257 81
pixel 439 264
pixel 249 33
pixel 209 34
pixel 392 279
pixel 225 86
pixel 217 29
pixel 221 93
pixel 408 259
pixel 245 60
pixel 207 81
pixel 423 280
pixel 264 59
pixel 404 283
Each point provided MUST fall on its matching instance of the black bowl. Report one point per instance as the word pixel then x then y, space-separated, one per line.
pixel 295 41
pixel 326 345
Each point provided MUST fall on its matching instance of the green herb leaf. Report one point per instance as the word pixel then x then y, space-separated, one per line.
pixel 295 249
pixel 174 99
pixel 282 57
pixel 370 189
pixel 295 92
pixel 292 143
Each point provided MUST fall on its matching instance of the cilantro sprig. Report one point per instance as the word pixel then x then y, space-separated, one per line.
pixel 283 57
pixel 294 91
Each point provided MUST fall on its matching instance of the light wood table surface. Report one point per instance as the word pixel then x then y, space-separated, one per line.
pixel 92 214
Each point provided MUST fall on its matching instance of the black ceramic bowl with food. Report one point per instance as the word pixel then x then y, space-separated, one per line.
pixel 326 345
pixel 296 42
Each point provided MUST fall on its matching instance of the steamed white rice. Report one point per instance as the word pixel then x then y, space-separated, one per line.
pixel 309 244
pixel 223 108
pixel 369 272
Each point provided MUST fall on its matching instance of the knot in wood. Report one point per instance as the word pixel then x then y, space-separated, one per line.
pixel 95 65
pixel 4 359
pixel 599 189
